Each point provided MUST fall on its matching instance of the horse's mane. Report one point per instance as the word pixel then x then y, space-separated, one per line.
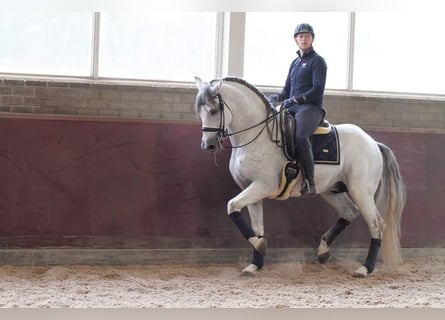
pixel 253 88
pixel 201 94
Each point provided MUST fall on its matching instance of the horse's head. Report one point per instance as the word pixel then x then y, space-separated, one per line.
pixel 247 116
pixel 210 108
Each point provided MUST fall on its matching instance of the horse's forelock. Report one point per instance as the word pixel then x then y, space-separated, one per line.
pixel 203 97
pixel 199 100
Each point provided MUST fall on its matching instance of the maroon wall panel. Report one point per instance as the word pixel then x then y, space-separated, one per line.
pixel 148 184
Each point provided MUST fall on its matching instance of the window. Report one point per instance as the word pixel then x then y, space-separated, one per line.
pixel 45 43
pixel 399 51
pixel 270 46
pixel 392 51
pixel 158 45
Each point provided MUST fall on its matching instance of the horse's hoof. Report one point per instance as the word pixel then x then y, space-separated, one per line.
pixel 361 272
pixel 250 270
pixel 324 257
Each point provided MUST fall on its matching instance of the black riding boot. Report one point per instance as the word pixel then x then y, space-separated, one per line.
pixel 306 160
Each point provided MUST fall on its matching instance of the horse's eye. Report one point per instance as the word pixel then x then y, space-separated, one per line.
pixel 213 111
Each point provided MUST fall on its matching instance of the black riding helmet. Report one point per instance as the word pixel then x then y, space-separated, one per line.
pixel 304 27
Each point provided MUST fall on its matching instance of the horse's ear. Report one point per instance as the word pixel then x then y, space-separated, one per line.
pixel 199 82
pixel 215 87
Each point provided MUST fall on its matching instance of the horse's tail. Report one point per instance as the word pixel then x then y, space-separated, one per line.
pixel 391 198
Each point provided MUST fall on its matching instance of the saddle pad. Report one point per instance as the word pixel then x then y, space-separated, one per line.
pixel 289 178
pixel 326 148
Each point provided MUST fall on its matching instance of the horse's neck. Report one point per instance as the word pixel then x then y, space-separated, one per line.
pixel 248 116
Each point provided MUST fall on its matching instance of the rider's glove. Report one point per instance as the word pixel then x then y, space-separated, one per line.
pixel 273 99
pixel 289 103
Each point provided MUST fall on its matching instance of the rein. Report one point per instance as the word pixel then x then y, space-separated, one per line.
pixel 222 134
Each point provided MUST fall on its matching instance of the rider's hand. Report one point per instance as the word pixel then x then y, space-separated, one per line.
pixel 273 99
pixel 289 103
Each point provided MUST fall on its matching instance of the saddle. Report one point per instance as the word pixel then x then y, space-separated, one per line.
pixel 291 169
pixel 289 127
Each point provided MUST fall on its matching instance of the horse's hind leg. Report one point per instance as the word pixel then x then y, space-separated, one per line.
pixel 365 201
pixel 347 212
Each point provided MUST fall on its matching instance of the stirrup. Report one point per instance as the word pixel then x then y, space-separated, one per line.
pixel 307 189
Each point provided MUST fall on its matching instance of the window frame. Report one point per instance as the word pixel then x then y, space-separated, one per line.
pixel 229 59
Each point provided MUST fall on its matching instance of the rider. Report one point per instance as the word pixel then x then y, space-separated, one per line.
pixel 302 95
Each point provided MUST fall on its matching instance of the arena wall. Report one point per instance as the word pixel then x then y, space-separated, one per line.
pixel 120 166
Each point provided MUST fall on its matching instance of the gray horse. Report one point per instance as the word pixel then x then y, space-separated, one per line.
pixel 368 170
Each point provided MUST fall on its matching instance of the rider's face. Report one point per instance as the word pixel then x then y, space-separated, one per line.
pixel 304 40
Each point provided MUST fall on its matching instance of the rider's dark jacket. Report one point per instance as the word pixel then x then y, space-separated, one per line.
pixel 306 79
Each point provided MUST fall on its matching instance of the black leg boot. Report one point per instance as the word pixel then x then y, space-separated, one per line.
pixel 306 160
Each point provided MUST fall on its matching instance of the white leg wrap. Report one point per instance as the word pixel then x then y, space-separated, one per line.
pixel 250 270
pixel 361 272
pixel 323 247
pixel 260 244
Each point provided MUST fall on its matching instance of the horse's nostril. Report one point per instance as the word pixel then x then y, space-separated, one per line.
pixel 209 147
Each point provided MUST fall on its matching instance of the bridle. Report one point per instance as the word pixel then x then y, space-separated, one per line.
pixel 222 133
pixel 221 130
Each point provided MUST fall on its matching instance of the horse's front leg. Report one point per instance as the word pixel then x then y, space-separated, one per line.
pixel 252 198
pixel 257 223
